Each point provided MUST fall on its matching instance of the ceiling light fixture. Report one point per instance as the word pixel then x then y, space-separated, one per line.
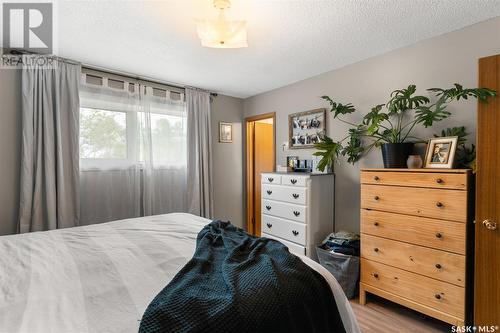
pixel 222 33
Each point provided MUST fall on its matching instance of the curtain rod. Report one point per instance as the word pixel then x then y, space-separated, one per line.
pixel 141 78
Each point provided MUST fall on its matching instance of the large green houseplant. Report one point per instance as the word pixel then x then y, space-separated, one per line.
pixel 390 126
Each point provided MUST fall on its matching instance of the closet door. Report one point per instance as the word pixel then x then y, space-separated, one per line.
pixel 487 254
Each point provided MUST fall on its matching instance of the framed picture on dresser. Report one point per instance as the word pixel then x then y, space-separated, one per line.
pixel 305 128
pixel 440 152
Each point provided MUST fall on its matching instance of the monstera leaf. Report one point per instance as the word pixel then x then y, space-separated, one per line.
pixel 460 132
pixel 403 100
pixel 428 115
pixel 458 92
pixel 328 150
pixel 354 149
pixel 338 108
pixel 374 118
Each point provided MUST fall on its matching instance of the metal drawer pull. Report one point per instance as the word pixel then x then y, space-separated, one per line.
pixel 269 225
pixel 295 195
pixel 293 181
pixel 268 207
pixel 376 178
pixel 270 179
pixel 438 235
pixel 376 198
pixel 439 204
pixel 439 181
pixel 269 192
pixel 437 296
pixel 296 213
pixel 295 232
pixel 438 266
pixel 375 275
pixel 375 249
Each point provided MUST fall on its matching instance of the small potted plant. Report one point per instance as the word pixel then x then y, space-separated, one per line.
pixel 387 125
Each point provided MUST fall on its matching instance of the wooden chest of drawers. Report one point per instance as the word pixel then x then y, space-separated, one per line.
pixel 415 240
pixel 297 209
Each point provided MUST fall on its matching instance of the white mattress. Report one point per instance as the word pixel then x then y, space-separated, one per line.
pixel 100 278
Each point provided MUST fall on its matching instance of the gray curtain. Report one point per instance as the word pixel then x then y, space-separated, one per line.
pixel 199 161
pixel 50 149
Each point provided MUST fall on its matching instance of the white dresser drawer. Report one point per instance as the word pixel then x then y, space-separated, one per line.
pixel 297 195
pixel 294 180
pixel 292 247
pixel 292 231
pixel 285 210
pixel 271 178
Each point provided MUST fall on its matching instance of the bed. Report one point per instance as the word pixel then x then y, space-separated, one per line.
pixel 101 278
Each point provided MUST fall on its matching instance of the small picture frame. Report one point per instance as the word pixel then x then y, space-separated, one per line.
pixel 306 128
pixel 440 152
pixel 225 132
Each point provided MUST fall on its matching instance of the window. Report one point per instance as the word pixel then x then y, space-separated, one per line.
pixel 129 125
pixel 103 134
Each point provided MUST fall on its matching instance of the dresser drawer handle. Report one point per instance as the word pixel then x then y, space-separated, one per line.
pixel 270 179
pixel 375 275
pixel 437 296
pixel 439 181
pixel 439 204
pixel 376 178
pixel 438 235
pixel 375 224
pixel 269 192
pixel 268 207
pixel 376 198
pixel 295 195
pixel 438 266
pixel 296 213
pixel 293 181
pixel 295 232
pixel 269 225
pixel 376 249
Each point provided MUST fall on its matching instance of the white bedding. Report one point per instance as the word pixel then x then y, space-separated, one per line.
pixel 100 278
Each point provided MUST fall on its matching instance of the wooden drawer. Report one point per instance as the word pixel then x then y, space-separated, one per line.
pixel 457 181
pixel 435 203
pixel 288 211
pixel 294 180
pixel 292 231
pixel 441 296
pixel 292 247
pixel 295 195
pixel 444 266
pixel 438 234
pixel 271 178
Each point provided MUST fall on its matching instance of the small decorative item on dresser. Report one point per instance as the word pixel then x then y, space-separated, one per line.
pixel 441 153
pixel 225 132
pixel 414 162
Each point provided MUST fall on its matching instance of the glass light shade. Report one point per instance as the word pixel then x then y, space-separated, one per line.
pixel 222 33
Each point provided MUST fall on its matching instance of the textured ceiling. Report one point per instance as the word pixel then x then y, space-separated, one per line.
pixel 288 40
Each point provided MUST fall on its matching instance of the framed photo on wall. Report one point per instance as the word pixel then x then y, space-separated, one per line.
pixel 305 128
pixel 225 132
pixel 440 152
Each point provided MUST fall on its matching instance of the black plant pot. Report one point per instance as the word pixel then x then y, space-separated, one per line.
pixel 395 155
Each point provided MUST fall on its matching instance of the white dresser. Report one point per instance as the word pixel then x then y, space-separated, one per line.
pixel 298 209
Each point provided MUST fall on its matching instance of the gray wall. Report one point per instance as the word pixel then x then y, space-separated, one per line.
pixel 228 161
pixel 10 148
pixel 437 62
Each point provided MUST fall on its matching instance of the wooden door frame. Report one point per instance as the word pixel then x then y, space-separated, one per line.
pixel 250 163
